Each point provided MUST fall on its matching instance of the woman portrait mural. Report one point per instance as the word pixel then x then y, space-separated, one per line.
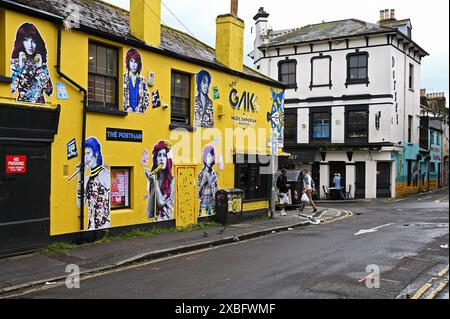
pixel 29 72
pixel 136 97
pixel 207 183
pixel 97 189
pixel 161 188
pixel 204 113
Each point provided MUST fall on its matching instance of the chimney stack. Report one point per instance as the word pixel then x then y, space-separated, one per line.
pixel 230 39
pixel 392 14
pixel 381 15
pixel 145 21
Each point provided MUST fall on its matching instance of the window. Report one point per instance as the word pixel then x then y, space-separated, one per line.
pixel 287 73
pixel 408 32
pixel 411 76
pixel 409 177
pixel 120 187
pixel 102 76
pixel 438 139
pixel 432 138
pixel 410 125
pixel 357 123
pixel 321 71
pixel 432 167
pixel 320 122
pixel 290 126
pixel 357 68
pixel 254 184
pixel 181 98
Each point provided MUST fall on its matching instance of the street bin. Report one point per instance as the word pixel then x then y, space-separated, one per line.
pixel 228 202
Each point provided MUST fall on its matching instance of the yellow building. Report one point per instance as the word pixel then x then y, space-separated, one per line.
pixel 166 121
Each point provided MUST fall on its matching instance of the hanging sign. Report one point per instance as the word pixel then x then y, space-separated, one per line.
pixel 16 164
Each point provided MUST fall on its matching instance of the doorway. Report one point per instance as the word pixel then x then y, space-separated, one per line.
pixel 24 197
pixel 384 180
pixel 360 180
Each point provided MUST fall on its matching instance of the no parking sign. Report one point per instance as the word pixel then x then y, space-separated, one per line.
pixel 16 164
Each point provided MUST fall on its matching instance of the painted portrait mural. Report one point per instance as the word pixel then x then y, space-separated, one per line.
pixel 204 112
pixel 97 189
pixel 30 76
pixel 136 97
pixel 161 183
pixel 207 182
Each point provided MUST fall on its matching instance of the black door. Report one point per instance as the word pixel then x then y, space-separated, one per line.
pixel 360 180
pixel 383 179
pixel 24 197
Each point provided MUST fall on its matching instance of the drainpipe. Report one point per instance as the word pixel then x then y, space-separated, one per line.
pixel 83 130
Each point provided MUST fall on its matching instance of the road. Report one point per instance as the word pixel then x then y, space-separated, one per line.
pixel 400 238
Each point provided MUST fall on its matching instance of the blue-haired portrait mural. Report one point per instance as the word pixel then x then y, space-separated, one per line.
pixel 204 112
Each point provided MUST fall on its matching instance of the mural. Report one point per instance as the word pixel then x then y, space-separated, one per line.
pixel 207 183
pixel 97 187
pixel 29 71
pixel 204 113
pixel 161 187
pixel 276 116
pixel 136 97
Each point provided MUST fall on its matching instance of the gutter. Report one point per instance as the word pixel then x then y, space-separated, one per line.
pixel 83 130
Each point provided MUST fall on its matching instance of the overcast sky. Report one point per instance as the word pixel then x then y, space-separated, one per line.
pixel 430 20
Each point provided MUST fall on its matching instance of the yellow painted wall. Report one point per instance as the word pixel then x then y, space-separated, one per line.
pixel 3 60
pixel 154 123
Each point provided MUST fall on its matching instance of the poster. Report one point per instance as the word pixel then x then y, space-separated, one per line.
pixel 120 185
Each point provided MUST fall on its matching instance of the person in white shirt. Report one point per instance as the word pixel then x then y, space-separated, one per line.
pixel 308 188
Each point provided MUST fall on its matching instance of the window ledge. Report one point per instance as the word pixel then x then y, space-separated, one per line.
pixel 5 79
pixel 330 85
pixel 183 126
pixel 104 110
pixel 412 90
pixel 355 82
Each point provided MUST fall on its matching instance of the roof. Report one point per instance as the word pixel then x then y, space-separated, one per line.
pixel 111 20
pixel 325 31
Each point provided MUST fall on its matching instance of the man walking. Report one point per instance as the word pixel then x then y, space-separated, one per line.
pixel 308 188
pixel 283 190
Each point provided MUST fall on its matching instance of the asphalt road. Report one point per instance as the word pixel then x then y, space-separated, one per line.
pixel 325 261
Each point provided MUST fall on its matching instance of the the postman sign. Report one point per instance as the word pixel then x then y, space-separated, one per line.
pixel 16 164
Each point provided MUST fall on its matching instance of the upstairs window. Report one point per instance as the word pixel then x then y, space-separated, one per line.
pixel 103 76
pixel 357 68
pixel 357 125
pixel 411 77
pixel 287 73
pixel 180 99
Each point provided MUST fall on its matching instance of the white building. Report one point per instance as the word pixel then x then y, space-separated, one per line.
pixel 353 102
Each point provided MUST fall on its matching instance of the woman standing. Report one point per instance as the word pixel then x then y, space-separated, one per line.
pixel 161 183
pixel 136 97
pixel 29 71
pixel 207 183
pixel 97 187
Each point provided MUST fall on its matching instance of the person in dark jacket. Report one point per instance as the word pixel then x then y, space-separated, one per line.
pixel 283 190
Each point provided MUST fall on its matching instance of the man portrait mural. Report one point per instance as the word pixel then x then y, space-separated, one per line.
pixel 30 76
pixel 136 97
pixel 204 113
pixel 97 187
pixel 207 183
pixel 161 186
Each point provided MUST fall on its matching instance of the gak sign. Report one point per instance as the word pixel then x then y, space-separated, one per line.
pixel 16 164
pixel 248 100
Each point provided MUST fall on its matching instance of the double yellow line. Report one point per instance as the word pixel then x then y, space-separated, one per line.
pixel 419 293
pixel 347 214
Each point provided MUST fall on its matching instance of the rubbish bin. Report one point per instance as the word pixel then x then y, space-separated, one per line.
pixel 228 201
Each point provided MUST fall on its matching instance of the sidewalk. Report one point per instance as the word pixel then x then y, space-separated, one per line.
pixel 21 272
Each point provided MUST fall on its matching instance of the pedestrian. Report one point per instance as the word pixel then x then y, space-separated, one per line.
pixel 308 188
pixel 338 185
pixel 283 190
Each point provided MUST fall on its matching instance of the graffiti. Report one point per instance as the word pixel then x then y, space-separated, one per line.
pixel 30 76
pixel 97 187
pixel 276 115
pixel 161 184
pixel 207 182
pixel 249 101
pixel 136 97
pixel 204 113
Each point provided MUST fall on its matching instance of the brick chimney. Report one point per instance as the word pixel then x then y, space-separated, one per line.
pixel 145 21
pixel 230 39
pixel 387 15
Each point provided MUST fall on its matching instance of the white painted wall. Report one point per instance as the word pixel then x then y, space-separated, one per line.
pixel 303 126
pixel 337 125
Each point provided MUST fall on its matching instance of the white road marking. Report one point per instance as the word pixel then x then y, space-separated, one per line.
pixel 372 230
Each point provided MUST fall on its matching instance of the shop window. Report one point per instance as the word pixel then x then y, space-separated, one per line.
pixel 287 73
pixel 357 68
pixel 120 187
pixel 180 99
pixel 357 125
pixel 290 126
pixel 255 185
pixel 103 76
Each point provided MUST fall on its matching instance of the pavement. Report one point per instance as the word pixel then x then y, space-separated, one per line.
pixel 46 268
